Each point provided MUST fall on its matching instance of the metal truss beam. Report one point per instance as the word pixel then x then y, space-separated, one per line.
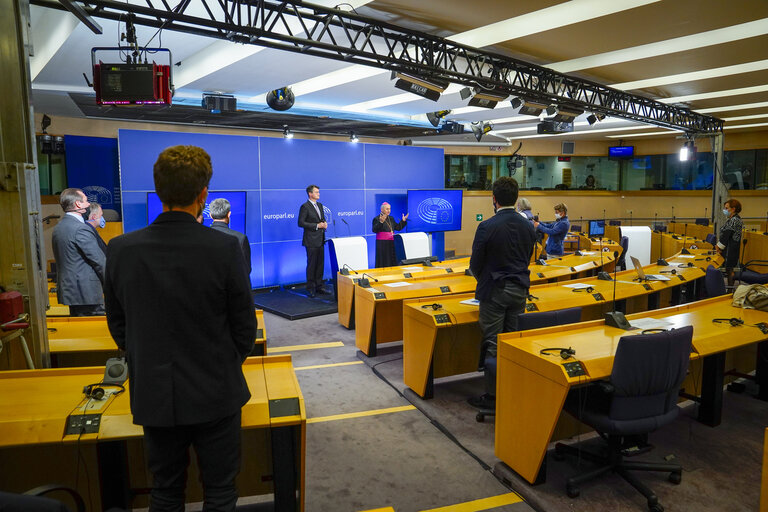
pixel 299 27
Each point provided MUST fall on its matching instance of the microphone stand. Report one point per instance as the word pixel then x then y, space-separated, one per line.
pixel 364 283
pixel 685 234
pixel 616 318
pixel 602 275
pixel 349 230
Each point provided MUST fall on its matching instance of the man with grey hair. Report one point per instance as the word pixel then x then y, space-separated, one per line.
pixel 221 212
pixel 96 218
pixel 79 260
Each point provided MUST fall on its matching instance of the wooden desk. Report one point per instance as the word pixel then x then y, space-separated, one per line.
pixel 444 342
pixel 756 248
pixel 345 284
pixel 379 309
pixel 596 244
pixel 670 244
pixel 85 340
pixel 694 230
pixel 531 388
pixel 35 405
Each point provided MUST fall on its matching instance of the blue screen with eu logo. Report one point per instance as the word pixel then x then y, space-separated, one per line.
pixel 434 210
pixel 236 200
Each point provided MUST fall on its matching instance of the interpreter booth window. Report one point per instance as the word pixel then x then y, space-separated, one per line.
pixel 568 173
pixel 746 169
pixel 474 172
pixel 51 166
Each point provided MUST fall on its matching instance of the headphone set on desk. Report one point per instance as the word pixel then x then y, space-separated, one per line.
pixel 565 353
pixel 96 391
pixel 434 306
pixel 735 322
pixel 588 289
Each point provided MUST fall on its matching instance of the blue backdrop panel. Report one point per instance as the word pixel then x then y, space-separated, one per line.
pixel 253 216
pixel 257 266
pixel 345 207
pixel 234 158
pixel 286 262
pixel 403 166
pixel 294 163
pixel 280 214
pixel 134 211
pixel 92 165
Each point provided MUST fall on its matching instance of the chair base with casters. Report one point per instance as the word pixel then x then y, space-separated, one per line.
pixel 490 373
pixel 616 462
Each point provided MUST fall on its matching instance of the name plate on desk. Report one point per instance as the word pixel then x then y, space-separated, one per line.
pixel 407 275
pixel 448 270
pixel 680 276
pixel 442 318
pixel 531 307
pixel 445 289
pixel 379 295
pixel 598 296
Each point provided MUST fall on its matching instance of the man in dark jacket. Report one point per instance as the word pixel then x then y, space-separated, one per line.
pixel 179 304
pixel 501 252
pixel 79 260
pixel 221 212
pixel 312 221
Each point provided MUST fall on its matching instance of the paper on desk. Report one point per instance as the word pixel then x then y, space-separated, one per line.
pixel 588 253
pixel 685 256
pixel 659 277
pixel 651 323
pixel 413 269
pixel 470 302
pixel 577 286
pixel 397 284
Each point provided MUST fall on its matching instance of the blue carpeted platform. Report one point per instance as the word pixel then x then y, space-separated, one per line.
pixel 294 304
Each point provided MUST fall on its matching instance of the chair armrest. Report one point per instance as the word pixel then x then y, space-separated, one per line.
pixel 45 489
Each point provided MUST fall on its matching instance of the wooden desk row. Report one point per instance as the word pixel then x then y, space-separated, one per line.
pixel 531 388
pixel 86 341
pixel 379 308
pixel 35 406
pixel 446 341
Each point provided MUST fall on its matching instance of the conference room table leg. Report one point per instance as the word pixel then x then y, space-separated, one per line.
pixel 711 406
pixel 284 468
pixel 113 475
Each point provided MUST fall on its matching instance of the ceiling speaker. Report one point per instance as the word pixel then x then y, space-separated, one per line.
pixel 280 99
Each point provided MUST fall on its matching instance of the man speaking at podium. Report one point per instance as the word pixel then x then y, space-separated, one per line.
pixel 500 254
pixel 179 303
pixel 312 221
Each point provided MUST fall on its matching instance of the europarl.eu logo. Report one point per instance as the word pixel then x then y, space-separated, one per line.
pixel 435 210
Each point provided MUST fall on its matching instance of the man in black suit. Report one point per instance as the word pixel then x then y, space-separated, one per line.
pixel 501 252
pixel 96 218
pixel 221 212
pixel 79 260
pixel 178 302
pixel 312 221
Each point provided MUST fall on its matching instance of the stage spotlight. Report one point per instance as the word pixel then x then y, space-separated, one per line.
pixel 429 88
pixel 530 108
pixel 280 99
pixel 591 119
pixel 482 97
pixel 45 123
pixel 353 137
pixel 516 102
pixel 688 152
pixel 481 128
pixel 566 116
pixel 435 117
pixel 551 110
pixel 287 133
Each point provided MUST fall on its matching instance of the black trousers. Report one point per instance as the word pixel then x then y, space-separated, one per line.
pixel 87 310
pixel 315 263
pixel 217 445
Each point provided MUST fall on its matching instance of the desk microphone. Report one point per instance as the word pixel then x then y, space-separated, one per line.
pixel 349 230
pixel 616 318
pixel 685 233
pixel 661 261
pixel 363 282
pixel 602 275
pixel 344 270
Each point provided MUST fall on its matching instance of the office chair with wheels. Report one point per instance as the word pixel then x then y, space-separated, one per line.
pixel 640 397
pixel 614 223
pixel 713 282
pixel 34 501
pixel 711 239
pixel 525 322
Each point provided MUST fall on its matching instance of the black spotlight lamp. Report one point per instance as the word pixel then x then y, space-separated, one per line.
pixel 551 110
pixel 531 108
pixel 480 129
pixel 591 119
pixel 516 102
pixel 566 115
pixel 483 98
pixel 435 117
pixel 430 88
pixel 45 123
pixel 353 137
pixel 280 99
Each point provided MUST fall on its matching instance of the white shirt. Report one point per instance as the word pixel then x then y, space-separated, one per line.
pixel 78 216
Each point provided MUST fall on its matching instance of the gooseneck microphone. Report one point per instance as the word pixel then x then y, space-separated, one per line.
pixel 344 270
pixel 685 234
pixel 616 318
pixel 363 282
pixel 602 275
pixel 349 230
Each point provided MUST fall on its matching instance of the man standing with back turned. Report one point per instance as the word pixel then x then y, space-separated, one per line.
pixel 178 302
pixel 501 252
pixel 312 221
pixel 221 212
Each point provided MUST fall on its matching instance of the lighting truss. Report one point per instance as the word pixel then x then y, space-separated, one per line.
pixel 341 35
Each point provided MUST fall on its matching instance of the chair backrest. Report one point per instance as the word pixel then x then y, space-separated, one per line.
pixel 647 373
pixel 713 282
pixel 526 321
pixel 712 239
pixel 624 247
pixel 702 222
pixel 661 228
pixel 576 228
pixel 614 223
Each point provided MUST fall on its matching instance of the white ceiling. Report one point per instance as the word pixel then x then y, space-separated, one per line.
pixel 710 55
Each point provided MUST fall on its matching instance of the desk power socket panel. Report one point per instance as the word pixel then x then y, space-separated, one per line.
pixel 83 424
pixel 574 369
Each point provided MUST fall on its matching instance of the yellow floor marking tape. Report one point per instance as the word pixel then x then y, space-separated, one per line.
pixel 291 348
pixel 482 504
pixel 360 414
pixel 326 365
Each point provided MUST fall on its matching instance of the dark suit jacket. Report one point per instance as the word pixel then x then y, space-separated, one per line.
pixel 79 263
pixel 501 252
pixel 245 246
pixel 308 221
pixel 178 302
pixel 99 240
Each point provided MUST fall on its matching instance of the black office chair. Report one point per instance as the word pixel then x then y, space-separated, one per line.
pixel 711 239
pixel 661 228
pixel 525 322
pixel 622 262
pixel 640 397
pixel 714 283
pixel 749 274
pixel 576 228
pixel 702 221
pixel 34 501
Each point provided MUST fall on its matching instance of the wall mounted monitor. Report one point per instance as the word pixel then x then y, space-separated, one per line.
pixel 621 151
pixel 236 200
pixel 596 228
pixel 434 210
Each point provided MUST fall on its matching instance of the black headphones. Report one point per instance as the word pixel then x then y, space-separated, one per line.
pixel 96 391
pixel 588 289
pixel 434 306
pixel 673 271
pixel 735 322
pixel 565 353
